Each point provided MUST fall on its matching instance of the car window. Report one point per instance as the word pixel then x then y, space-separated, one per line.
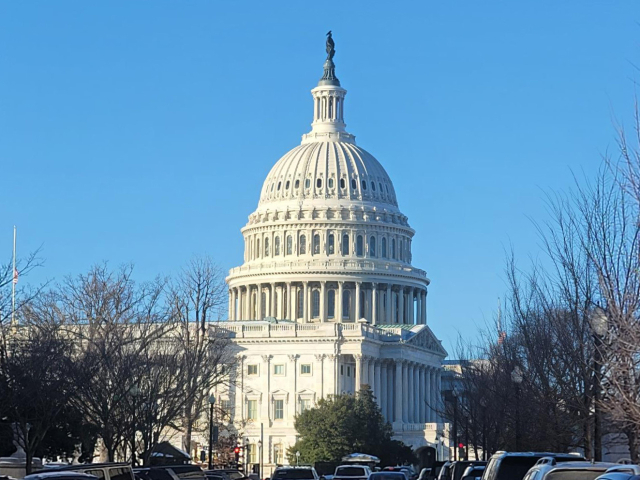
pixel 515 468
pixel 293 473
pixel 350 471
pixel 387 476
pixel 121 473
pixel 98 473
pixel 235 475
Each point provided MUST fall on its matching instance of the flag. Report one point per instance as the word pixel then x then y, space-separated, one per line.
pixel 15 275
pixel 501 337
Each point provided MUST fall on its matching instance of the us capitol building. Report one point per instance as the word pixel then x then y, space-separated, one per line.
pixel 327 299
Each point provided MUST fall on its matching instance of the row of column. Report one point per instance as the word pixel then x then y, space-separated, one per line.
pixel 407 391
pixel 320 301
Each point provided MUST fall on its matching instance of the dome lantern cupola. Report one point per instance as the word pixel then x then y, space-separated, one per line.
pixel 328 104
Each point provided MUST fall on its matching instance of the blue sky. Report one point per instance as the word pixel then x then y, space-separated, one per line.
pixel 139 131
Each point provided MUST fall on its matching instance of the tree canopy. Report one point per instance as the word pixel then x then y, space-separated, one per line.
pixel 344 424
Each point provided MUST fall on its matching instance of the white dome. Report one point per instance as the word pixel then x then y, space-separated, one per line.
pixel 328 170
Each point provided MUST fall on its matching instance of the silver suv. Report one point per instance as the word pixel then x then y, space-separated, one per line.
pixel 295 473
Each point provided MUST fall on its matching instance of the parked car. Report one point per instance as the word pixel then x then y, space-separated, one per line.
pixel 621 472
pixel 474 471
pixel 407 469
pixel 352 472
pixel 47 475
pixel 387 475
pixel 104 471
pixel 515 465
pixel 458 467
pixel 445 471
pixel 170 472
pixel 295 473
pixel 550 469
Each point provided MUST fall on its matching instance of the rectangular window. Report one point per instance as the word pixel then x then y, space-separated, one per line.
pixel 278 454
pixel 305 404
pixel 278 409
pixel 305 369
pixel 341 369
pixel 252 453
pixel 252 369
pixel 348 371
pixel 278 369
pixel 252 409
pixel 226 407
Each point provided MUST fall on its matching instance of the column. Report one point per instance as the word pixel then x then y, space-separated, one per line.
pixel 411 401
pixel 387 313
pixel 279 306
pixel 333 360
pixel 416 394
pixel 423 397
pixel 358 358
pixel 374 303
pixel 399 392
pixel 373 381
pixel 357 310
pixel 411 305
pixel 323 301
pixel 305 308
pixel 381 384
pixel 229 304
pixel 252 304
pixel 432 396
pixel 274 305
pixel 419 307
pixel 391 382
pixel 259 302
pixel 424 307
pixel 338 313
pixel 292 301
pixel 401 306
pixel 405 392
pixel 438 394
pixel 320 359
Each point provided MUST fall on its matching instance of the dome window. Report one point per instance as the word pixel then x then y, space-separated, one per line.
pixel 319 183
pixel 266 247
pixel 384 247
pixel 297 184
pixel 286 185
pixel 331 183
pixel 331 244
pixel 276 246
pixel 272 185
pixel 364 185
pixel 393 248
pixel 345 244
pixel 289 245
pixel 316 244
pixel 332 304
pixel 354 185
pixel 346 304
pixel 372 246
pixel 342 183
pixel 387 186
pixel 279 185
pixel 315 304
pixel 373 186
pixel 303 245
pixel 307 183
pixel 359 246
pixel 380 185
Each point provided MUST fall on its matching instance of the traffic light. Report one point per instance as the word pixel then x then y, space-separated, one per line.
pixel 462 453
pixel 237 453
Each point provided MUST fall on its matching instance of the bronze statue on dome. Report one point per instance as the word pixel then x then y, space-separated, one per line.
pixel 331 51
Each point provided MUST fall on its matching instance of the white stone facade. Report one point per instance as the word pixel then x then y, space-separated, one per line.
pixel 327 299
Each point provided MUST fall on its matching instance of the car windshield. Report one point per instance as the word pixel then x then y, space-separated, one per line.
pixel 577 474
pixel 293 473
pixel 350 471
pixel 515 468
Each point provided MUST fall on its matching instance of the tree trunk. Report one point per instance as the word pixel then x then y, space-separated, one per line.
pixel 633 445
pixel 188 431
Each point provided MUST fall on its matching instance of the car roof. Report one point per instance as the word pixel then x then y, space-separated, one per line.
pixel 65 473
pixel 83 466
pixel 537 454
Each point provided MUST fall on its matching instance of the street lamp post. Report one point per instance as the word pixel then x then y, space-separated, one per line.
pixel 599 323
pixel 134 391
pixel 212 402
pixel 516 377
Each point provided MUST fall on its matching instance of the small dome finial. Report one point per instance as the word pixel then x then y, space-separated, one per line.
pixel 329 76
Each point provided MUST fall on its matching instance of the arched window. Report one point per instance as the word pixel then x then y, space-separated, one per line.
pixel 286 185
pixel 359 246
pixel 289 245
pixel 400 250
pixel 345 244
pixel 316 304
pixel 297 185
pixel 331 248
pixel 307 183
pixel 279 185
pixel 372 246
pixel 316 244
pixel 332 304
pixel 263 308
pixel 319 183
pixel 393 248
pixel 276 246
pixel 342 183
pixel 364 185
pixel 380 185
pixel 331 183
pixel 257 248
pixel 354 185
pixel 346 304
pixel 384 247
pixel 266 247
pixel 303 245
pixel 373 186
pixel 362 304
pixel 300 303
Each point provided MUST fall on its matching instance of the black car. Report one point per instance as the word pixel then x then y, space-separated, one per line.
pixel 515 465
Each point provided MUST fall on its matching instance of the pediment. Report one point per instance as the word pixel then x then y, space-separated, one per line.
pixel 425 338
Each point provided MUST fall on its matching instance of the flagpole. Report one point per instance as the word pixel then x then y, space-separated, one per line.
pixel 13 282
